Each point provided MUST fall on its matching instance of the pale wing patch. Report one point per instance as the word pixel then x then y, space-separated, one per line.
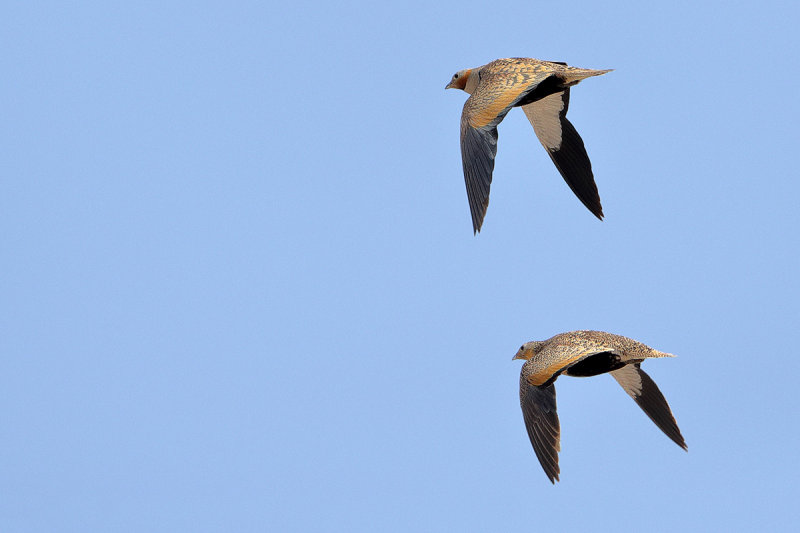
pixel 628 377
pixel 548 117
pixel 545 117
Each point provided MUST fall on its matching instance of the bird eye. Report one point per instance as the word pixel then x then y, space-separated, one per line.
pixel 455 76
pixel 521 348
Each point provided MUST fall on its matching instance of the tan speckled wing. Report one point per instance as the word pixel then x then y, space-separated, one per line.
pixel 502 84
pixel 558 355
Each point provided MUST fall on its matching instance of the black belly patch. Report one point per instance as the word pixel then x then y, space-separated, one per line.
pixel 546 87
pixel 595 364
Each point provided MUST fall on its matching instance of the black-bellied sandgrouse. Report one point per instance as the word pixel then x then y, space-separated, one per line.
pixel 583 354
pixel 541 88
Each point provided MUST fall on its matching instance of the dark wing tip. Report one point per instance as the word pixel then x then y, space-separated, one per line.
pixel 653 403
pixel 574 165
pixel 477 217
pixel 568 153
pixel 541 423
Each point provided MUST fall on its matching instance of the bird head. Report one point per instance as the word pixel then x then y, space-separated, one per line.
pixel 528 350
pixel 459 80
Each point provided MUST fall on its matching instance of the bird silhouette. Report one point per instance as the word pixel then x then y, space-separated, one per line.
pixel 584 354
pixel 541 89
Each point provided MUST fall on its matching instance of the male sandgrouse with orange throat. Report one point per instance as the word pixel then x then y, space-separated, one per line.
pixel 584 354
pixel 541 89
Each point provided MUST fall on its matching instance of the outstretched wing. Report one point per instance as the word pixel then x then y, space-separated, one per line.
pixel 541 421
pixel 565 147
pixel 497 92
pixel 645 393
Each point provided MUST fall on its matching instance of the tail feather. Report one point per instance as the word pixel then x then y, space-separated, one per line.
pixel 573 75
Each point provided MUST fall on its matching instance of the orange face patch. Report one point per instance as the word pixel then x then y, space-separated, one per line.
pixel 461 81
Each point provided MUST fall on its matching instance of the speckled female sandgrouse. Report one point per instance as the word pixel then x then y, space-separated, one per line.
pixel 541 88
pixel 583 354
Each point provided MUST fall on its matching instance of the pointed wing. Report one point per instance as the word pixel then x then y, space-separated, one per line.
pixel 541 421
pixel 645 393
pixel 478 148
pixel 495 95
pixel 565 147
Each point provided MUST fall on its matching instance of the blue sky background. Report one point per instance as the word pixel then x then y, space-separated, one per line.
pixel 241 290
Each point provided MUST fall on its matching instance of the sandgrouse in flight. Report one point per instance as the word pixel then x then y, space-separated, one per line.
pixel 583 354
pixel 541 89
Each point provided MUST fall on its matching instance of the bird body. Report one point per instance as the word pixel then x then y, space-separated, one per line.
pixel 584 354
pixel 541 88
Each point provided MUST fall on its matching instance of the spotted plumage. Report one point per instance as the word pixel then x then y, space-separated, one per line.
pixel 541 88
pixel 584 354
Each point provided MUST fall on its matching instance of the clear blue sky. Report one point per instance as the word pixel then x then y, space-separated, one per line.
pixel 240 289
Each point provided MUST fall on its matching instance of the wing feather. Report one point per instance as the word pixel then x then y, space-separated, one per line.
pixel 541 422
pixel 645 393
pixel 557 357
pixel 495 95
pixel 565 147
